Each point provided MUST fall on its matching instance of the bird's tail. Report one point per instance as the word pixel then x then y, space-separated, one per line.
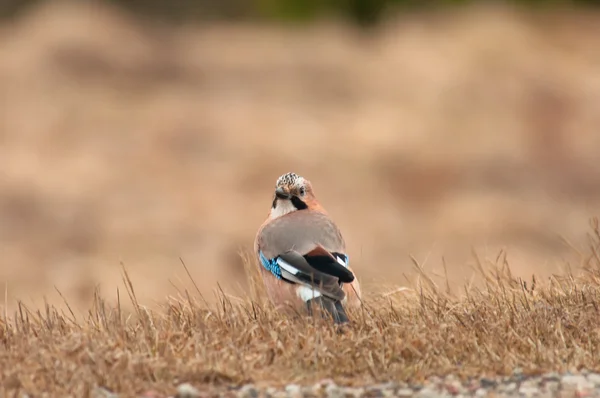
pixel 332 308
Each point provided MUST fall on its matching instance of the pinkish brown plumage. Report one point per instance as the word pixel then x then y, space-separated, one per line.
pixel 303 254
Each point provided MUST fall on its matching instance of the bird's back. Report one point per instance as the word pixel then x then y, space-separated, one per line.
pixel 299 231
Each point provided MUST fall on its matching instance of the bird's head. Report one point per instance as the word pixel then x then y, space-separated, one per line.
pixel 292 193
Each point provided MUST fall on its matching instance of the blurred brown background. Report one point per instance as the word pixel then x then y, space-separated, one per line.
pixel 131 140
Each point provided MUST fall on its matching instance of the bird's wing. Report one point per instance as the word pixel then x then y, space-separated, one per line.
pixel 292 267
pixel 307 248
pixel 334 264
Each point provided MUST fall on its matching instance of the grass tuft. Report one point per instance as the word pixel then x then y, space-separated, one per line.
pixel 403 334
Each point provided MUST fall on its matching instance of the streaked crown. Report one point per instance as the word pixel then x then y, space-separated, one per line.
pixel 288 179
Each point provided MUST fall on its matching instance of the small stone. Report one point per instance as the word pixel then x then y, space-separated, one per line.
pixel 510 387
pixel 574 380
pixel 481 392
pixel 471 386
pixel 186 390
pixel 551 386
pixel 594 378
pixel 416 387
pixel 325 382
pixel 427 392
pixel 454 387
pixel 382 390
pixel 372 391
pixel 249 391
pixel 529 391
pixel 517 375
pixel 532 382
pixel 585 388
pixel 293 390
pixel 319 387
pixel 553 376
pixel 435 380
pixel 488 383
pixel 333 391
pixel 405 392
pixel 354 392
pixel 270 392
pixel 547 394
pixel 517 371
pixel 101 392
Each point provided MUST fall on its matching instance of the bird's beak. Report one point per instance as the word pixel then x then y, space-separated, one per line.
pixel 282 194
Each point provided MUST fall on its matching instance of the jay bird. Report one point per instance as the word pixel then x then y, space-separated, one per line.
pixel 302 253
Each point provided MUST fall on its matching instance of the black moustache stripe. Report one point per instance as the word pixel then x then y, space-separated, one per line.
pixel 298 203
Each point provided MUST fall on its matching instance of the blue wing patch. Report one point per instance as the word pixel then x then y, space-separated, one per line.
pixel 342 259
pixel 270 265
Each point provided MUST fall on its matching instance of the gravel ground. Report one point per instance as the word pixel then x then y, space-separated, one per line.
pixel 583 384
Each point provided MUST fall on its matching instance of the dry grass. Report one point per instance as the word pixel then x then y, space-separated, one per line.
pixel 536 325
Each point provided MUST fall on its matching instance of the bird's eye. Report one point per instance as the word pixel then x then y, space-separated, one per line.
pixel 302 191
